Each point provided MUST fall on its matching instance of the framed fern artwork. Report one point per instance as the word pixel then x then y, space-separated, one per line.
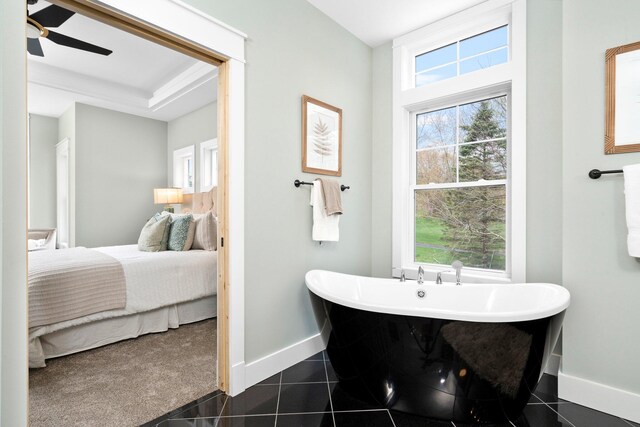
pixel 321 137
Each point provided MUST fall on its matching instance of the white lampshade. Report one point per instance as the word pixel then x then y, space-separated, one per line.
pixel 167 195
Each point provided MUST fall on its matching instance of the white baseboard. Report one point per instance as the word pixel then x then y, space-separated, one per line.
pixel 553 365
pixel 598 396
pixel 273 363
pixel 237 380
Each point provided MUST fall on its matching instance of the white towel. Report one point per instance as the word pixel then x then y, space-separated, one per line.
pixel 632 202
pixel 325 228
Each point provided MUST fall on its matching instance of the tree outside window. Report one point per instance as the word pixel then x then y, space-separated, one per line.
pixel 461 171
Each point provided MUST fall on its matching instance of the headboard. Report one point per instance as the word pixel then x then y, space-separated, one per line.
pixel 205 202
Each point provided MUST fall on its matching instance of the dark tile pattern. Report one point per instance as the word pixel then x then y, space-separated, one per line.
pixel 343 401
pixel 308 395
pixel 307 371
pixel 304 398
pixel 364 418
pixel 581 416
pixel 324 419
pixel 274 379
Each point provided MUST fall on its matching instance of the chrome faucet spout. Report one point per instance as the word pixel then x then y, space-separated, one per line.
pixel 420 275
pixel 402 276
pixel 439 276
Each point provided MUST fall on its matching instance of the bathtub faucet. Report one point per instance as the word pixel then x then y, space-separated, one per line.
pixel 420 275
pixel 457 265
pixel 439 276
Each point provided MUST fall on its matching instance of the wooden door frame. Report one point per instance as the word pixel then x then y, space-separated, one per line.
pixel 156 34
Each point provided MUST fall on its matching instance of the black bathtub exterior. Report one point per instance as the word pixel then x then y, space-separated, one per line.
pixel 470 372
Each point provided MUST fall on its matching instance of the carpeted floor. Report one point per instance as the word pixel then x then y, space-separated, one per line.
pixel 127 383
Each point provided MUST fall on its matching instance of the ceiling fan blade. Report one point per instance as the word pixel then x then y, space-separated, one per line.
pixel 34 47
pixel 63 40
pixel 52 16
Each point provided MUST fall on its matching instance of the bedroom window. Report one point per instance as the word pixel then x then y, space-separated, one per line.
pixel 459 145
pixel 183 169
pixel 208 164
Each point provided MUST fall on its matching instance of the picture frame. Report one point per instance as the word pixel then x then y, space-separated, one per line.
pixel 622 114
pixel 321 137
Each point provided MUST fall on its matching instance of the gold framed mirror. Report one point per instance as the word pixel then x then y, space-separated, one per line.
pixel 622 128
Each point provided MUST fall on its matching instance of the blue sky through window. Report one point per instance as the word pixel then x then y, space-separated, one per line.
pixel 436 57
pixel 483 42
pixel 474 53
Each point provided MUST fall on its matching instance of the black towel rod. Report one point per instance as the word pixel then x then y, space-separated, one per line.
pixel 298 183
pixel 597 173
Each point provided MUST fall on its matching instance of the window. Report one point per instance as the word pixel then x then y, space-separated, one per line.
pixel 183 169
pixel 460 184
pixel 208 164
pixel 464 56
pixel 459 144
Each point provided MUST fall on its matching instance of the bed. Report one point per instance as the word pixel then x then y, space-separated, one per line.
pixel 163 290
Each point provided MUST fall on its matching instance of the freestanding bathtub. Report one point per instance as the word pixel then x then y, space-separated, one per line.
pixel 471 353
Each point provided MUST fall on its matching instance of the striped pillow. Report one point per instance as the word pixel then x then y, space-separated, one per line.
pixel 206 235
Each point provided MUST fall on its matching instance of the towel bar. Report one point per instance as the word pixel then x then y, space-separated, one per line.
pixel 298 183
pixel 597 173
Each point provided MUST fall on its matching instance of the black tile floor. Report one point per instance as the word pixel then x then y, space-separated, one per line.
pixel 308 395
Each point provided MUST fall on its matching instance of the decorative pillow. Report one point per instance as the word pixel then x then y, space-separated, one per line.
pixel 155 234
pixel 181 232
pixel 167 230
pixel 206 235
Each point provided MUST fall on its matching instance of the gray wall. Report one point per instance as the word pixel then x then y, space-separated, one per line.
pixel 544 141
pixel 43 137
pixel 120 158
pixel 600 329
pixel 191 129
pixel 544 146
pixel 382 138
pixel 13 216
pixel 293 50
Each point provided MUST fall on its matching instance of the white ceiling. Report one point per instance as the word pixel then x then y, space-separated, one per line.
pixel 376 22
pixel 139 77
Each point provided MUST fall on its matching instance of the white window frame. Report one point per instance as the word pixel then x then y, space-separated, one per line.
pixel 205 147
pixel 180 156
pixel 503 79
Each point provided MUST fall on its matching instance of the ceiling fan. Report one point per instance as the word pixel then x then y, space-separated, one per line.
pixel 54 16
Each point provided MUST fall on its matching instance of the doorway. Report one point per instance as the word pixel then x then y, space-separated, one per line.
pixel 230 146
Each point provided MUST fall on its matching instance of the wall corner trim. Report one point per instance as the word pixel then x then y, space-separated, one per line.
pixel 598 396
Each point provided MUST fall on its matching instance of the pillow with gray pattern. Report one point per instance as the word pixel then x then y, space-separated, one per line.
pixel 181 232
pixel 155 234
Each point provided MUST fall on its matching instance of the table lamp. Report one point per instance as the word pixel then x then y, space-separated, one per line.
pixel 167 196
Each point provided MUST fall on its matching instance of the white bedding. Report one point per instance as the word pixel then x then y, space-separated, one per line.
pixel 154 280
